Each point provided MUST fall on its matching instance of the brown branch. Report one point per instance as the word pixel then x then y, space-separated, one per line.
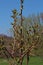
pixel 26 51
pixel 7 52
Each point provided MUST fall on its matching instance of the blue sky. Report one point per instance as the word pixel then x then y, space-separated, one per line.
pixel 6 6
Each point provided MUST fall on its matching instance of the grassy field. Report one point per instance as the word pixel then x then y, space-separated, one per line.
pixel 33 61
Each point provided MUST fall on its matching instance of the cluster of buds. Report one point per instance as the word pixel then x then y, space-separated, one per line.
pixel 22 4
pixel 22 1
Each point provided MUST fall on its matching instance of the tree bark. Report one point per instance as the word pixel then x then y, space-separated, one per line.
pixel 27 58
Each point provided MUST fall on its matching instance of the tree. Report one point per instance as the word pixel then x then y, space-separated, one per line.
pixel 27 35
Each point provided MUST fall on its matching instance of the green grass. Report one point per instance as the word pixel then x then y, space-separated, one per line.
pixel 3 62
pixel 33 61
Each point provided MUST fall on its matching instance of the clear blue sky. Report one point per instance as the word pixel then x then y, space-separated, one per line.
pixel 6 6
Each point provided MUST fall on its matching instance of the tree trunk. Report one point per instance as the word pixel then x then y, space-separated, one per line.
pixel 27 58
pixel 21 61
